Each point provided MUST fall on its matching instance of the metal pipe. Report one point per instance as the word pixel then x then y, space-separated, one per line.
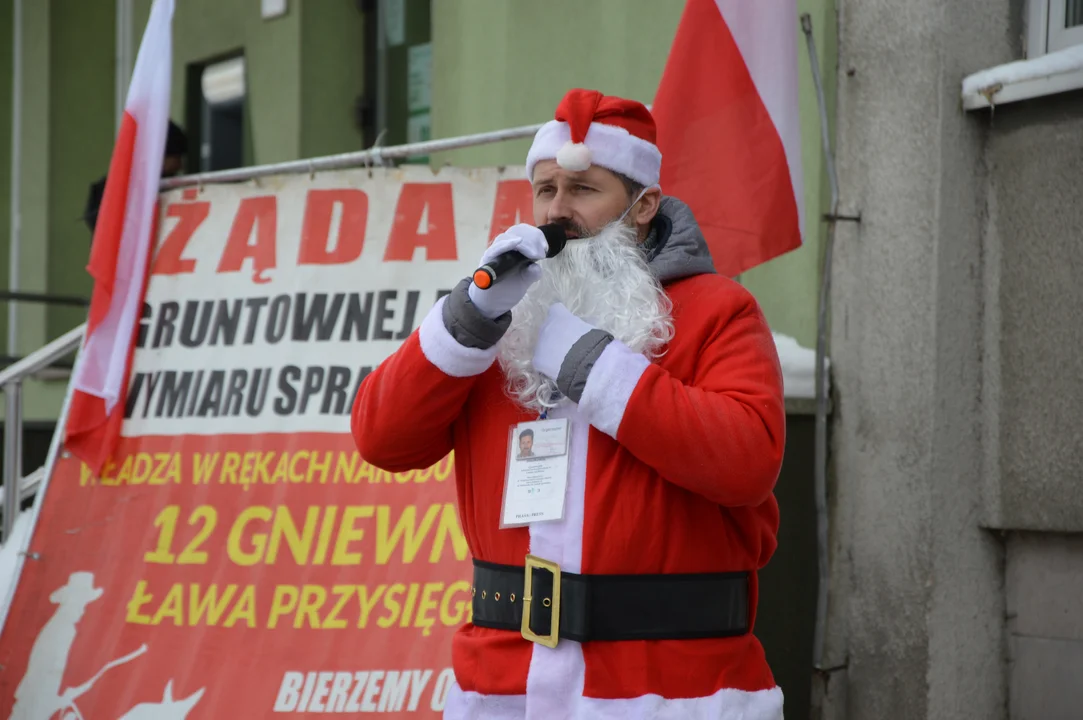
pixel 350 159
pixel 43 357
pixel 27 487
pixel 11 379
pixel 820 441
pixel 13 454
pixel 15 236
pixel 44 298
pixel 13 418
pixel 123 57
pixel 118 63
pixel 129 54
pixel 381 66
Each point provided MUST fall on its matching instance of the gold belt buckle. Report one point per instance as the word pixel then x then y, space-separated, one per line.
pixel 550 640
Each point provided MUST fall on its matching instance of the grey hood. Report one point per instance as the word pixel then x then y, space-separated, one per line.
pixel 680 250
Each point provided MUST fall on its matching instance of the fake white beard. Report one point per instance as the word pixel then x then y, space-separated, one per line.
pixel 605 281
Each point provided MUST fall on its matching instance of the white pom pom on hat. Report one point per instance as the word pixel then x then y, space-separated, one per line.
pixel 594 129
pixel 574 156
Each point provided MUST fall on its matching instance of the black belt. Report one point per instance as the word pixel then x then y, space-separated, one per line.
pixel 608 607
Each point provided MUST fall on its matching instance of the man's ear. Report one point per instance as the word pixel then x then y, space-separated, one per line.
pixel 647 207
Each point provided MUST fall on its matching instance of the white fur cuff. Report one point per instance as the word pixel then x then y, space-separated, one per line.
pixel 560 331
pixel 610 386
pixel 443 351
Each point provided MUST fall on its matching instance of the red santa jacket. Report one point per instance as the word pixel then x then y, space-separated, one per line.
pixel 672 470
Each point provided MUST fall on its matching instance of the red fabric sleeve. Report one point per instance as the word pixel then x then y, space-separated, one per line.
pixel 405 410
pixel 721 435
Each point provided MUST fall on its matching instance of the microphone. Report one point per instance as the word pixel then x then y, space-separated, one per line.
pixel 504 265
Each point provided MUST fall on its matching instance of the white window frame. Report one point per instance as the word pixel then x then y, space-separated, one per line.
pixel 1045 28
pixel 1059 36
pixel 1037 74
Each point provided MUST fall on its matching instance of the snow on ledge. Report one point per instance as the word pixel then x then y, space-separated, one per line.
pixel 1054 72
pixel 798 367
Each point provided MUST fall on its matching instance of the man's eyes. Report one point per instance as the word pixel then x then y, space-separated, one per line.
pixel 549 189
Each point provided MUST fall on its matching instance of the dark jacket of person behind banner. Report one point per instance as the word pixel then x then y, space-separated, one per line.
pixel 176 146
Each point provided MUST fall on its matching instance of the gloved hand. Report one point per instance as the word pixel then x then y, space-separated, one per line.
pixel 504 295
pixel 567 349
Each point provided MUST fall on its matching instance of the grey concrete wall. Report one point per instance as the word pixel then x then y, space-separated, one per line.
pixel 1034 378
pixel 917 613
pixel 1044 589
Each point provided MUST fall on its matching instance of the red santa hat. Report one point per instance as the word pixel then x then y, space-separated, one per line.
pixel 594 129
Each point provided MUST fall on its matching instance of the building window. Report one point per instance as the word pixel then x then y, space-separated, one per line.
pixel 1065 24
pixel 1053 25
pixel 398 61
pixel 217 113
pixel 1052 41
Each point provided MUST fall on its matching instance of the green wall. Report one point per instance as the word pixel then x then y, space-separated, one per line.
pixel 332 76
pixel 41 399
pixel 34 176
pixel 5 160
pixel 207 30
pixel 303 70
pixel 82 130
pixel 500 64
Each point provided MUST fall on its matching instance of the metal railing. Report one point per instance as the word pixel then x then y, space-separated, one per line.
pixel 11 383
pixel 27 487
pixel 360 158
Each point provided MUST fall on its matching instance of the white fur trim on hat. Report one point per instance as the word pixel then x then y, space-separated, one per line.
pixel 609 146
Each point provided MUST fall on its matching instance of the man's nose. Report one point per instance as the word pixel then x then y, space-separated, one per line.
pixel 559 208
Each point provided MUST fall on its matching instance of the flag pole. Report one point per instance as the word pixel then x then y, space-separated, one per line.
pixel 15 238
pixel 13 393
pixel 122 57
pixel 820 442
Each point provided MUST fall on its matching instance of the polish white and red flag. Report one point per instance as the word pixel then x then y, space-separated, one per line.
pixel 123 237
pixel 729 127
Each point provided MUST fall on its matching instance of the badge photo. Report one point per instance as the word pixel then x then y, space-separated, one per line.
pixel 537 472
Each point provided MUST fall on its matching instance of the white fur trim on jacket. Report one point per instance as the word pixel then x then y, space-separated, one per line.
pixel 726 703
pixel 556 676
pixel 443 351
pixel 610 147
pixel 610 385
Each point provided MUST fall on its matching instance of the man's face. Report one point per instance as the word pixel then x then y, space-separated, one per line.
pixel 526 442
pixel 583 202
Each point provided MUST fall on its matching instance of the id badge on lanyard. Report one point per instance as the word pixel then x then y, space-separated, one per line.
pixel 537 474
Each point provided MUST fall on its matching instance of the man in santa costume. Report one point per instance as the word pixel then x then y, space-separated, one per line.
pixel 654 391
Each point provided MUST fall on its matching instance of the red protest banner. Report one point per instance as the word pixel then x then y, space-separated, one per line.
pixel 237 557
